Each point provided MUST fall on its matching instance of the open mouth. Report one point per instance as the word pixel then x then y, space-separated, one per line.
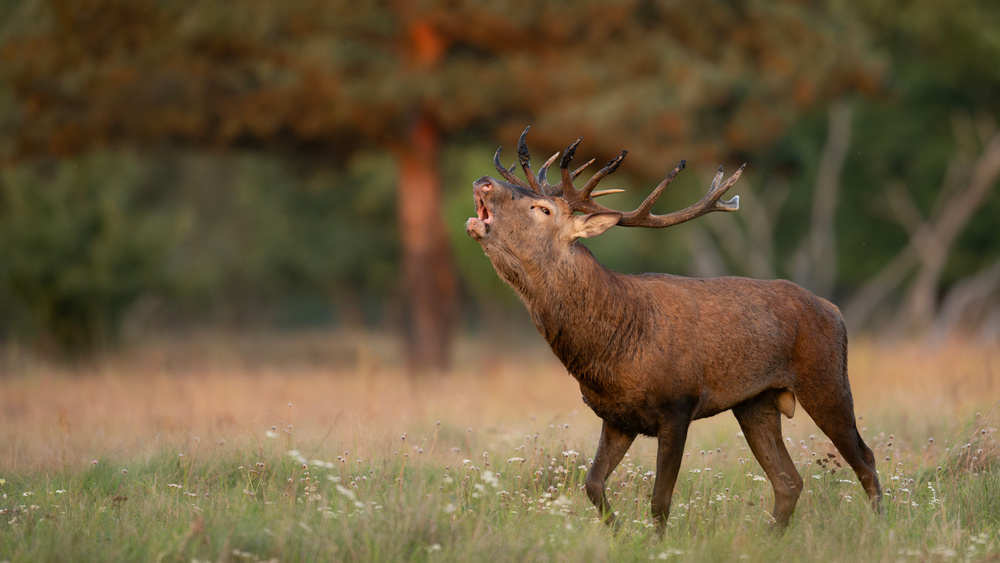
pixel 479 226
pixel 482 211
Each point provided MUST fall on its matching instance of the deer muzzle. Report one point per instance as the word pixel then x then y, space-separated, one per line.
pixel 479 226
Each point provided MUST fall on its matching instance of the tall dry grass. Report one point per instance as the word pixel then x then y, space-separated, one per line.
pixel 317 446
pixel 344 388
pixel 348 389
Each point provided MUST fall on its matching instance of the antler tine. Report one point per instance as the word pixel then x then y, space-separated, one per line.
pixel 580 170
pixel 611 167
pixel 599 193
pixel 567 157
pixel 716 180
pixel 647 204
pixel 728 184
pixel 582 200
pixel 641 217
pixel 543 181
pixel 525 158
pixel 731 204
pixel 507 174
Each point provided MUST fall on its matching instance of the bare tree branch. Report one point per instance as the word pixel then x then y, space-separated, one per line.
pixel 867 299
pixel 748 242
pixel 920 303
pixel 708 260
pixel 969 295
pixel 904 210
pixel 930 240
pixel 819 270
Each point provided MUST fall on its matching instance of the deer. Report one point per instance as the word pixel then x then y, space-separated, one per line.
pixel 654 352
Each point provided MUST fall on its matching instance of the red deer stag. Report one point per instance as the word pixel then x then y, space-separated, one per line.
pixel 654 352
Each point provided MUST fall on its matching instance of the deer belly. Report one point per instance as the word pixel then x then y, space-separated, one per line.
pixel 631 416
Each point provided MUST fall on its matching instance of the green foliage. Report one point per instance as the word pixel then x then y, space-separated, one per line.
pixel 717 79
pixel 240 238
pixel 262 234
pixel 943 86
pixel 265 185
pixel 79 244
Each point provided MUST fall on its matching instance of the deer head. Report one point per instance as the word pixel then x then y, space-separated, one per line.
pixel 529 225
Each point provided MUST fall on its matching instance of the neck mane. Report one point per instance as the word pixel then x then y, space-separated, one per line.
pixel 585 311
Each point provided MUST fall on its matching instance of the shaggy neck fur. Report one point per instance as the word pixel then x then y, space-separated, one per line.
pixel 576 304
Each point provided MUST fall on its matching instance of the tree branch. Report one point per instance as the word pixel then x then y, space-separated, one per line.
pixel 821 274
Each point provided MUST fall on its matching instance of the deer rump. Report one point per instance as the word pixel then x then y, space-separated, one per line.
pixel 654 352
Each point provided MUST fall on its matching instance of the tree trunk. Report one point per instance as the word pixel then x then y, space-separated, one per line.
pixel 428 269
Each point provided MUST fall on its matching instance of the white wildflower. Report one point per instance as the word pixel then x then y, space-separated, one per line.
pixel 490 479
pixel 346 492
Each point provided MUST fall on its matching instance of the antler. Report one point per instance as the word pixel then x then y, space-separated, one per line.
pixel 539 184
pixel 535 184
pixel 642 217
pixel 583 199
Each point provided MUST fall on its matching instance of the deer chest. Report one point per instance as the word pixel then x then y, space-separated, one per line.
pixel 627 412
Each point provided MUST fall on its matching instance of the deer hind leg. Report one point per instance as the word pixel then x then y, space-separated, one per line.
pixel 759 418
pixel 610 451
pixel 836 419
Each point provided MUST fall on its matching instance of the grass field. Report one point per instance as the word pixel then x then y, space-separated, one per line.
pixel 317 447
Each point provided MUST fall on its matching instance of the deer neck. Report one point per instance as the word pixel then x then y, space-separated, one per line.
pixel 584 310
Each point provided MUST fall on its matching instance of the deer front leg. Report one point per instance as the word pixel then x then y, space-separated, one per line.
pixel 669 452
pixel 610 451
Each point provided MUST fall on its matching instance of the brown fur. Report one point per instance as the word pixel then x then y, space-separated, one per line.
pixel 654 352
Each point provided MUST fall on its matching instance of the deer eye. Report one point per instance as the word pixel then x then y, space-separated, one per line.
pixel 542 208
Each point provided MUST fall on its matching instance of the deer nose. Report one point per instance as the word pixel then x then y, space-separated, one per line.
pixel 482 185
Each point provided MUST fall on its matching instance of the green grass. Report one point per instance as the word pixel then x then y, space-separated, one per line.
pixel 102 463
pixel 514 500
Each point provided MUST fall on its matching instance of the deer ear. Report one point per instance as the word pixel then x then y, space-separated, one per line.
pixel 586 226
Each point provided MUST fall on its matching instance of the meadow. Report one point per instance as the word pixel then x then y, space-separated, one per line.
pixel 318 447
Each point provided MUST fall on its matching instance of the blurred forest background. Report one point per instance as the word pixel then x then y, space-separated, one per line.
pixel 168 165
